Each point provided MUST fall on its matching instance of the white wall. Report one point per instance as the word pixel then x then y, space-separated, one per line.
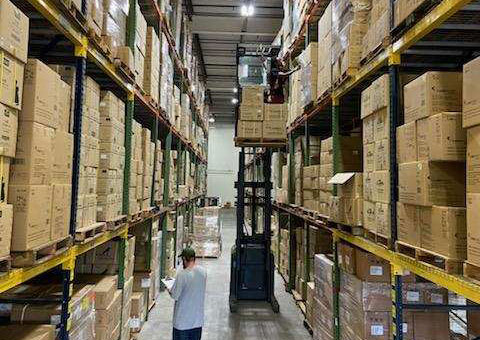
pixel 222 162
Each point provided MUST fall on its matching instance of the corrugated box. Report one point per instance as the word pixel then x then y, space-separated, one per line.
pixel 28 332
pixel 274 129
pixel 62 157
pixel 13 30
pixel 432 93
pixel 407 143
pixel 471 93
pixel 249 129
pixel 408 223
pixel 11 80
pixel 251 112
pixel 61 205
pixel 6 223
pixel 473 230
pixel 473 160
pixel 31 215
pixel 8 130
pixel 369 267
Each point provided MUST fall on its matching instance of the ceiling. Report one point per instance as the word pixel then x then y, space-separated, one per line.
pixel 218 27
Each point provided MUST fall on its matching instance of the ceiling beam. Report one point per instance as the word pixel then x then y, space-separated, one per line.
pixel 198 47
pixel 260 34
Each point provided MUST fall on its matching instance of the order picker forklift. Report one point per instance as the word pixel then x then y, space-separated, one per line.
pixel 252 262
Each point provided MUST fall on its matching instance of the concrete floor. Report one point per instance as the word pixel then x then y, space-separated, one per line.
pixel 253 322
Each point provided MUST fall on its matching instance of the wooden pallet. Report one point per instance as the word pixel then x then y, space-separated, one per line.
pixel 40 254
pixel 378 239
pixel 386 41
pixel 124 70
pixel 135 217
pixel 259 142
pixel 324 96
pixel 350 72
pixel 451 266
pixel 88 233
pixel 152 102
pixel 98 41
pixel 349 229
pixel 117 222
pixel 471 271
pixel 68 8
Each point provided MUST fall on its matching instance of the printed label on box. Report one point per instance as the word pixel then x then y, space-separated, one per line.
pixel 413 296
pixel 436 298
pixel 405 327
pixel 376 270
pixel 376 330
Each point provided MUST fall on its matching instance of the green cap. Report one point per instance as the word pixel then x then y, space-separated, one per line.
pixel 187 253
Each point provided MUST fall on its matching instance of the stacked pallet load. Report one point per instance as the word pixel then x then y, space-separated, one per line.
pixel 171 222
pixel 431 155
pixel 308 60
pixel 136 170
pixel 151 79
pixel 377 35
pixel 41 172
pixel 322 302
pixel 471 122
pixel 95 19
pixel 324 78
pixel 21 313
pixel 114 24
pixel 294 103
pixel 376 157
pixel 326 173
pixel 140 49
pixel 349 25
pixel 112 157
pixel 274 118
pixel 166 81
pixel 365 300
pixel 148 151
pixel 300 265
pixel 206 238
pixel 284 253
pixel 249 125
pixel 158 183
pixel 311 187
pixel 298 171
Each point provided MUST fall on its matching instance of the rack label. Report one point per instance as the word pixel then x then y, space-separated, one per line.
pixel 376 330
pixel 413 296
pixel 376 270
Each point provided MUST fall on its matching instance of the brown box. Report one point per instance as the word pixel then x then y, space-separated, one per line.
pixel 34 158
pixel 431 325
pixel 403 8
pixel 251 112
pixel 28 332
pixel 369 219
pixel 473 160
pixel 61 204
pixel 432 183
pixel 40 99
pixel 346 257
pixel 369 267
pixel 407 143
pixel 249 129
pixel 353 187
pixel 447 232
pixel 432 93
pixel 6 223
pixel 8 130
pixel 381 186
pixel 441 137
pixel 31 215
pixel 274 129
pixel 110 316
pixel 105 288
pixel 408 223
pixel 473 229
pixel 11 80
pixel 13 30
pixel 252 95
pixel 275 112
pixel 62 157
pixel 471 90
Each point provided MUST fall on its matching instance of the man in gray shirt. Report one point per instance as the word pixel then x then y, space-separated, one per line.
pixel 188 291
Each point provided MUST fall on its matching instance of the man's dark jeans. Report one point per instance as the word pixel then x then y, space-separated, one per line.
pixel 188 334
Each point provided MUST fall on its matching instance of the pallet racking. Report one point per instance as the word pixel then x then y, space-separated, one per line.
pixel 59 34
pixel 442 36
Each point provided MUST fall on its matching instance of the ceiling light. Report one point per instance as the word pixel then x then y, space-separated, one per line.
pixel 211 119
pixel 247 10
pixel 234 100
pixel 235 90
pixel 244 11
pixel 251 10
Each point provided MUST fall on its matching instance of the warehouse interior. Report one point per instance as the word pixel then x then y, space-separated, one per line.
pixel 318 159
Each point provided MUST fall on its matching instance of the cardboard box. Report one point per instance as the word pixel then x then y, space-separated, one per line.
pixel 32 206
pixel 408 223
pixel 368 124
pixel 275 112
pixel 382 155
pixel 473 230
pixel 105 288
pixel 369 219
pixel 11 80
pixel 381 186
pixel 62 157
pixel 432 183
pixel 250 112
pixel 6 223
pixel 13 30
pixel 369 157
pixel 473 160
pixel 61 205
pixel 252 95
pixel 441 137
pixel 371 268
pixel 403 8
pixel 110 316
pixel 447 232
pixel 28 332
pixel 431 325
pixel 407 143
pixel 346 257
pixel 382 219
pixel 249 129
pixel 274 129
pixel 351 187
pixel 8 130
pixel 471 90
pixel 432 93
pixel 40 99
pixel 34 158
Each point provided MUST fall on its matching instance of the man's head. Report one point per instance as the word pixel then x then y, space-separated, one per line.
pixel 188 257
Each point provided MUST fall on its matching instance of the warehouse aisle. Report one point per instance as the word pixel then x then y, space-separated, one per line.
pixel 248 324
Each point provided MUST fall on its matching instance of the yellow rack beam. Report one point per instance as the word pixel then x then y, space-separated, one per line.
pixel 455 283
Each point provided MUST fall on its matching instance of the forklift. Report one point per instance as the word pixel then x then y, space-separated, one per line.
pixel 252 262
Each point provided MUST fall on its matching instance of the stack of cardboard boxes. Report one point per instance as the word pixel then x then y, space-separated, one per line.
pixel 140 49
pixel 376 157
pixel 206 237
pixel 112 157
pixel 431 157
pixel 114 25
pixel 151 79
pixel 158 183
pixel 322 300
pixel 308 60
pixel 26 332
pixel 40 175
pixel 148 152
pixel 284 252
pixel 298 171
pixel 166 81
pixel 403 8
pixel 95 17
pixel 378 31
pixel 349 25
pixel 326 173
pixel 471 121
pixel 324 77
pixel 89 155
pixel 311 186
pixel 294 104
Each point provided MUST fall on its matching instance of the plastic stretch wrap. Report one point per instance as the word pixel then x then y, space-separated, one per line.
pixel 115 14
pixel 95 16
pixel 379 26
pixel 85 329
pixel 152 65
pixel 206 237
pixel 322 321
pixel 323 277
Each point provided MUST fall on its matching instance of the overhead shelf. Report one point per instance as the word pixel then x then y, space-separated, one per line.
pixel 455 283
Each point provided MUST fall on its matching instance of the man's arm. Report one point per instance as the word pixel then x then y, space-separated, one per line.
pixel 177 288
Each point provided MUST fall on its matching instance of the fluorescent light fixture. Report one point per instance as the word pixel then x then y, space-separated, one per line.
pixel 234 100
pixel 247 11
pixel 235 90
pixel 211 119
